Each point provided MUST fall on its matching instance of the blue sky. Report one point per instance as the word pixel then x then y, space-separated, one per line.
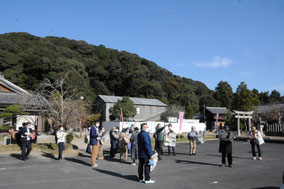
pixel 205 40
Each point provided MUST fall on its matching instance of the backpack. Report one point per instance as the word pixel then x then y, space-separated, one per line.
pixel 191 135
pixel 126 140
pixel 34 135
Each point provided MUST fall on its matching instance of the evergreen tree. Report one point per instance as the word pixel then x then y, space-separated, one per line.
pixel 224 94
pixel 245 100
pixel 126 106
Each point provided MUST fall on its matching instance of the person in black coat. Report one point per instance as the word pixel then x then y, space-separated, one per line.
pixel 226 137
pixel 114 138
pixel 26 138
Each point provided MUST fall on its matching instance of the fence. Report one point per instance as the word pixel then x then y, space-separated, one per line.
pixel 186 125
pixel 275 129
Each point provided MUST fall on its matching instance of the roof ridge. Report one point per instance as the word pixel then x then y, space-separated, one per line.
pixel 14 87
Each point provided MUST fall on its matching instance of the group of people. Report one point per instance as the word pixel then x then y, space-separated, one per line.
pixel 124 142
pixel 226 138
pixel 138 143
pixel 24 137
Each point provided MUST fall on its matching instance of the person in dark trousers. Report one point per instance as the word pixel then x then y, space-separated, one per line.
pixel 159 140
pixel 254 134
pixel 134 146
pixel 145 154
pixel 61 137
pixel 114 139
pixel 26 137
pixel 226 138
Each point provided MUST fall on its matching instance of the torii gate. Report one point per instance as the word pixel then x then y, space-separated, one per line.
pixel 243 115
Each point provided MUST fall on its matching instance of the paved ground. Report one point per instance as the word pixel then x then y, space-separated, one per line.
pixel 181 171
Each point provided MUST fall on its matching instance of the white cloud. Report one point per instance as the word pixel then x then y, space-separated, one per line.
pixel 217 62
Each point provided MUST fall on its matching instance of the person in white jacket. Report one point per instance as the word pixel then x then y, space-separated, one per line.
pixel 61 137
pixel 254 135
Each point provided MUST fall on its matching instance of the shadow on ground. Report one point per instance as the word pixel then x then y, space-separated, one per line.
pixel 233 156
pixel 77 161
pixel 83 155
pixel 268 187
pixel 108 158
pixel 48 155
pixel 196 162
pixel 17 156
pixel 127 177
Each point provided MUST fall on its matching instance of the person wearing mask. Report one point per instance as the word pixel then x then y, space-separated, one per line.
pixel 131 129
pixel 192 137
pixel 101 140
pixel 254 134
pixel 159 140
pixel 114 138
pixel 95 144
pixel 123 142
pixel 134 146
pixel 26 137
pixel 145 154
pixel 61 138
pixel 171 140
pixel 225 147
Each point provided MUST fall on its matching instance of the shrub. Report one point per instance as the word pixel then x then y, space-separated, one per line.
pixel 180 136
pixel 69 138
pixel 4 128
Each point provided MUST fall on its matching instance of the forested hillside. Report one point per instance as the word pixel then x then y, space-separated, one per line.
pixel 26 59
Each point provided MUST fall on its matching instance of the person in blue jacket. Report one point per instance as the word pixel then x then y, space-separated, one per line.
pixel 95 144
pixel 144 153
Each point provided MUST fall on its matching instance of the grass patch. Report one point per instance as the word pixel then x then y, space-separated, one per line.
pixel 9 148
pixel 47 148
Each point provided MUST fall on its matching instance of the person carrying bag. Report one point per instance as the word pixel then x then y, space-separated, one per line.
pixel 255 140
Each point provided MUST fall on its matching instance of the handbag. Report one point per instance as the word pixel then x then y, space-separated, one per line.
pixel 153 162
pixel 260 141
pixel 86 139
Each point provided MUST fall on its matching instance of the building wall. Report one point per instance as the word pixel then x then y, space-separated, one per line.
pixel 146 113
pixel 149 113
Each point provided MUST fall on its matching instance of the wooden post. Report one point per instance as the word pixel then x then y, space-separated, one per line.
pixel 239 129
pixel 249 123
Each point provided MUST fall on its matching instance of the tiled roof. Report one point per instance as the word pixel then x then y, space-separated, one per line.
pixel 270 107
pixel 217 110
pixel 13 98
pixel 11 86
pixel 137 101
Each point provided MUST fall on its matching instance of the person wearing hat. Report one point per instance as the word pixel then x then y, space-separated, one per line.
pixel 192 136
pixel 26 137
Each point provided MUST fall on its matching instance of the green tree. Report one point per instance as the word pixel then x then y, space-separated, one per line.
pixel 172 111
pixel 275 96
pixel 263 97
pixel 224 94
pixel 230 120
pixel 189 112
pixel 244 98
pixel 126 106
pixel 12 110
